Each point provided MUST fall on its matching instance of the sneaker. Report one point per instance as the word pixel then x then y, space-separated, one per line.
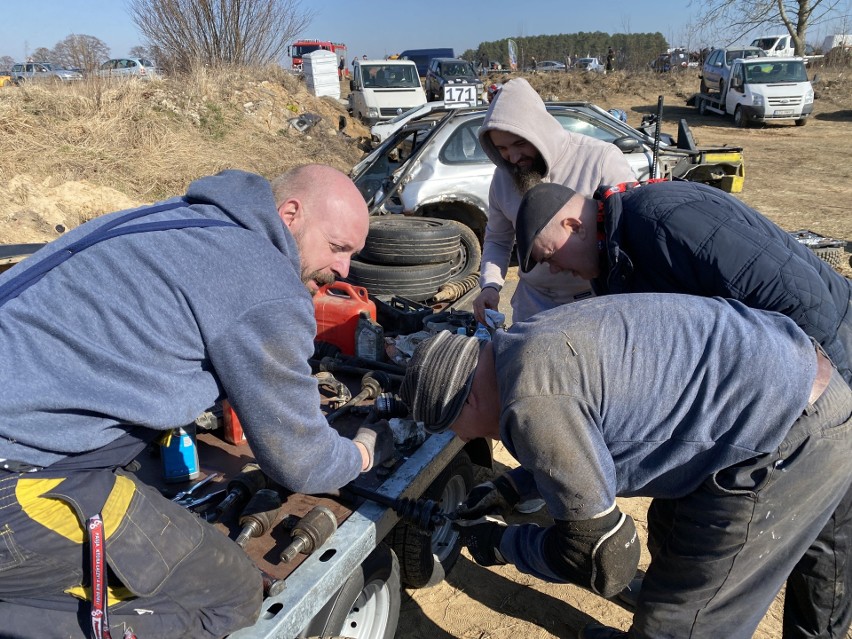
pixel 594 630
pixel 529 506
pixel 630 595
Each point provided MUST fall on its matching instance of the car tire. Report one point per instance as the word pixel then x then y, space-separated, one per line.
pixel 424 558
pixel 740 118
pixel 470 253
pixel 703 88
pixel 832 256
pixel 396 239
pixel 702 106
pixel 417 282
pixel 367 605
pixel 801 122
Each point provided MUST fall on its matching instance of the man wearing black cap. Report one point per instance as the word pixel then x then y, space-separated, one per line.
pixel 655 395
pixel 683 237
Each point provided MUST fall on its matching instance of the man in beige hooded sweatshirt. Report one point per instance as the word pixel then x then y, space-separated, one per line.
pixel 529 146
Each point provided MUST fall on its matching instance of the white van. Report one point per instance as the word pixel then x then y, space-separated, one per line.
pixel 776 45
pixel 763 90
pixel 383 89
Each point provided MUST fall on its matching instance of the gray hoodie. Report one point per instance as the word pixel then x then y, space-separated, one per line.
pixel 150 329
pixel 578 161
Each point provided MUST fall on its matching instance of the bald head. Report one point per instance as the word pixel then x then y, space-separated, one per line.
pixel 327 216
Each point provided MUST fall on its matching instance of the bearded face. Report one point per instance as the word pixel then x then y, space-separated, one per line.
pixel 525 177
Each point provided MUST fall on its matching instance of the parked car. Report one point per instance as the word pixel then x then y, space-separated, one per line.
pixel 141 68
pixel 717 66
pixel 434 166
pixel 30 71
pixel 666 62
pixel 589 64
pixel 550 65
pixel 446 71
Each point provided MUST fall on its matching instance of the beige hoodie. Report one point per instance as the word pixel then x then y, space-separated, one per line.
pixel 578 161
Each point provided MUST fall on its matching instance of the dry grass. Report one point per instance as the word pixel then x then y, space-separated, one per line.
pixel 150 139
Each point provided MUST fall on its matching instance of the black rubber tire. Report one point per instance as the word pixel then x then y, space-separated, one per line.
pixel 702 106
pixel 422 562
pixel 417 282
pixel 377 577
pixel 830 255
pixel 740 118
pixel 801 122
pixel 703 87
pixel 470 253
pixel 397 239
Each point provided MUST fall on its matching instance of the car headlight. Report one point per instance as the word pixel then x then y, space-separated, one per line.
pixel 809 96
pixel 757 100
pixel 372 112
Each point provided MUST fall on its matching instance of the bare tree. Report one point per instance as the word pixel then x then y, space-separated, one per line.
pixel 41 54
pixel 215 32
pixel 80 52
pixel 739 17
pixel 139 52
pixel 7 62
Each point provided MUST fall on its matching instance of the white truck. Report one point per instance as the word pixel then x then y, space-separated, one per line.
pixel 383 89
pixel 762 90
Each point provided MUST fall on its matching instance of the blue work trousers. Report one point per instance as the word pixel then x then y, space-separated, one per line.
pixel 721 554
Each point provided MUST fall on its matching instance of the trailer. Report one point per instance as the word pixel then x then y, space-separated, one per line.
pixel 761 90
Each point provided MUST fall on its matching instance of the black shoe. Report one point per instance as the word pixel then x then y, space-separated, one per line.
pixel 630 595
pixel 594 630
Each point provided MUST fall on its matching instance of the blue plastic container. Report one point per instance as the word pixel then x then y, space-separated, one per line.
pixel 180 455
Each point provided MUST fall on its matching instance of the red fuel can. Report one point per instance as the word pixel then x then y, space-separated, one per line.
pixel 337 307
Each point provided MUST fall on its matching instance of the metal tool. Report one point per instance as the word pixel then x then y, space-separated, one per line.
pixel 198 501
pixel 259 515
pixel 240 489
pixel 372 385
pixel 310 532
pixel 423 513
pixel 182 495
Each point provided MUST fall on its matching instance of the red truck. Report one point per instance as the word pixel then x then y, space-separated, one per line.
pixel 300 48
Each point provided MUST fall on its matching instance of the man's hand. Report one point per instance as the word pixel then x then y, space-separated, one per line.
pixel 489 297
pixel 482 537
pixel 376 443
pixel 499 496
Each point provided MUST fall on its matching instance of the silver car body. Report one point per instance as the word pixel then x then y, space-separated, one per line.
pixel 717 66
pixel 140 68
pixel 43 71
pixel 589 64
pixel 434 165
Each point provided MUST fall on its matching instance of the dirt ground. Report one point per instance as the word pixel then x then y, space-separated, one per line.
pixel 799 177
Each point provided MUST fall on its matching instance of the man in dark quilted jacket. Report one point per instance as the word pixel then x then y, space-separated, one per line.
pixel 684 237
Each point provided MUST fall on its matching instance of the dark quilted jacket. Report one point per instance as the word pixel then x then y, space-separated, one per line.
pixel 683 237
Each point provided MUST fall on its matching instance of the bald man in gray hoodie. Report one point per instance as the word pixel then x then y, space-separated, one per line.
pixel 529 146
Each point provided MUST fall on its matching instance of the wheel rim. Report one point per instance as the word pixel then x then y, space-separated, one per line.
pixel 445 538
pixel 369 614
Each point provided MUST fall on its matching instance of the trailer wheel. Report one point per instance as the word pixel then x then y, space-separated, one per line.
pixel 702 106
pixel 425 559
pixel 367 605
pixel 740 118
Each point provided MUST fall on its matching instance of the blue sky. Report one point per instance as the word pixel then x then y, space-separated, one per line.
pixel 376 28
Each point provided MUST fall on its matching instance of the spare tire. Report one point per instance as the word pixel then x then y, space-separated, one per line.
pixel 396 239
pixel 417 282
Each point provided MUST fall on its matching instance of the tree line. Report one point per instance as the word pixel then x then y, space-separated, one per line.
pixel 632 50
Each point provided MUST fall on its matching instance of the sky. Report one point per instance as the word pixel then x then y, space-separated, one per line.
pixel 376 28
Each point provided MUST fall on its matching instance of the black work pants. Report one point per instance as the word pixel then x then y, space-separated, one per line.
pixel 170 573
pixel 721 554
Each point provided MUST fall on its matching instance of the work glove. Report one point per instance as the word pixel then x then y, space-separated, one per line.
pixel 482 538
pixel 377 438
pixel 498 496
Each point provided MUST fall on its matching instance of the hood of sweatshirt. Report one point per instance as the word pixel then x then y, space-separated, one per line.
pixel 518 109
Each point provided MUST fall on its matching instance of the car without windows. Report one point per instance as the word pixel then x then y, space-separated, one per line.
pixel 44 71
pixel 717 66
pixel 434 166
pixel 141 68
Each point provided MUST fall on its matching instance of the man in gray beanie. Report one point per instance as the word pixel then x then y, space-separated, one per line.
pixel 731 414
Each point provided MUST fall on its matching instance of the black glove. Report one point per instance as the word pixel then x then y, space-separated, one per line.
pixel 377 438
pixel 482 538
pixel 499 496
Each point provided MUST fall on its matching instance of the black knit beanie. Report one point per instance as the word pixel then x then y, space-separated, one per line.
pixel 438 379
